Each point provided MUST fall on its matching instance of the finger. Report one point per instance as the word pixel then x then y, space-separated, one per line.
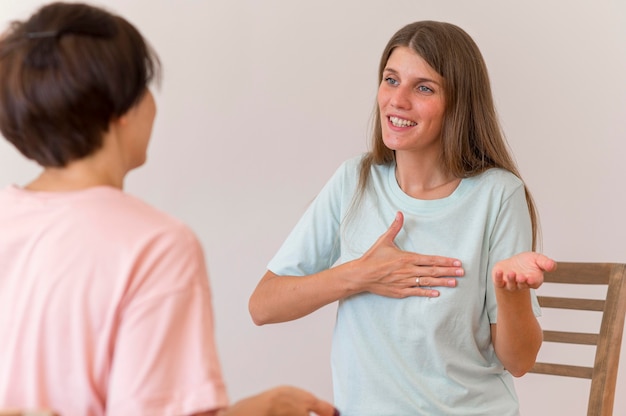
pixel 318 406
pixel 304 402
pixel 427 260
pixel 394 228
pixel 533 281
pixel 388 236
pixel 432 282
pixel 498 279
pixel 424 292
pixel 546 263
pixel 511 284
pixel 439 271
pixel 517 282
pixel 322 408
pixel 508 280
pixel 515 287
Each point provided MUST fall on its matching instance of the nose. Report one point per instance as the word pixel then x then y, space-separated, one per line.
pixel 400 98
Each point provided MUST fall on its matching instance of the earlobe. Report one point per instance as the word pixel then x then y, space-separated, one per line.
pixel 122 120
pixel 118 123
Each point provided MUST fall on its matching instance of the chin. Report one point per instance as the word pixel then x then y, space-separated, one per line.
pixel 391 144
pixel 138 163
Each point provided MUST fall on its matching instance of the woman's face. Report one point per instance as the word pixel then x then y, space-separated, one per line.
pixel 411 103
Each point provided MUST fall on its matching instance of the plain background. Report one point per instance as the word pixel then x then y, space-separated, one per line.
pixel 262 99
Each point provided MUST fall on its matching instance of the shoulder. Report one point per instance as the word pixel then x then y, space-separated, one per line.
pixel 499 179
pixel 132 207
pixel 123 217
pixel 165 253
pixel 347 174
pixel 352 167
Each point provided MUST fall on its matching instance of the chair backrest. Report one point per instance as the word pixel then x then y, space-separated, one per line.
pixel 607 341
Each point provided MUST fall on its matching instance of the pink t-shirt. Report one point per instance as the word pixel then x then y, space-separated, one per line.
pixel 105 307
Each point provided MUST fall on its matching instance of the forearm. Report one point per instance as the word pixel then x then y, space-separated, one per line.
pixel 285 298
pixel 255 405
pixel 517 336
pixel 383 270
pixel 283 400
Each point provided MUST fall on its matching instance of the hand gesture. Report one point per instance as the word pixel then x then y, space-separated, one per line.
pixel 292 401
pixel 281 401
pixel 391 272
pixel 522 271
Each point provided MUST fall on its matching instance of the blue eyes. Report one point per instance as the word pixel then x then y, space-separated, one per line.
pixel 391 81
pixel 420 88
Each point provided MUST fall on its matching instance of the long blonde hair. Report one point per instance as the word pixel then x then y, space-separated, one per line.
pixel 472 139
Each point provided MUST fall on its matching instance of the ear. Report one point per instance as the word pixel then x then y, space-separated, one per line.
pixel 118 123
pixel 121 120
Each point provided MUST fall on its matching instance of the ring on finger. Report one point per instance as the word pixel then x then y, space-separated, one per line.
pixel 417 281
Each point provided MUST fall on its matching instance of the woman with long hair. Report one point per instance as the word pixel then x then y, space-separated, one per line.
pixel 441 333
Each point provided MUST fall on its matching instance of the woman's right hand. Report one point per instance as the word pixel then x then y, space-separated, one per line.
pixel 281 401
pixel 389 271
pixel 383 270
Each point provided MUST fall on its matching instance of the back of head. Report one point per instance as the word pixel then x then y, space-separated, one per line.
pixel 65 74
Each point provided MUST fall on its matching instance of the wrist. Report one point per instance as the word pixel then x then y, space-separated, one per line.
pixel 352 274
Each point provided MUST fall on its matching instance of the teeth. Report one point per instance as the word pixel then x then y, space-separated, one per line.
pixel 399 122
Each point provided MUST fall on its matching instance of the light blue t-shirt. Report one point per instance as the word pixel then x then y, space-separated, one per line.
pixel 416 356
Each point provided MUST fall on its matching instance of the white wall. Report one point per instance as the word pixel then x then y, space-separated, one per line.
pixel 262 99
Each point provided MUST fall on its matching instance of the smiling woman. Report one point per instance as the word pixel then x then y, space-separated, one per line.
pixel 416 333
pixel 411 101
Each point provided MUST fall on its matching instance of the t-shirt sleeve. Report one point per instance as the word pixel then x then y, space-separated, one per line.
pixel 313 244
pixel 165 360
pixel 511 235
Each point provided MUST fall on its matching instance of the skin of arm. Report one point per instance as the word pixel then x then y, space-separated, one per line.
pixel 384 270
pixel 279 401
pixel 517 336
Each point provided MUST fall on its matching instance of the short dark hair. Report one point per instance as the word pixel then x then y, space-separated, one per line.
pixel 65 74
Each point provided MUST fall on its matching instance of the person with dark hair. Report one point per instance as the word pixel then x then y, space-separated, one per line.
pixel 105 304
pixel 421 334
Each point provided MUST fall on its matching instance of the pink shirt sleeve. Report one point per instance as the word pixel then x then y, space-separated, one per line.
pixel 164 361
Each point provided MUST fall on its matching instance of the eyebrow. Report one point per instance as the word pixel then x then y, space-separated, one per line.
pixel 393 71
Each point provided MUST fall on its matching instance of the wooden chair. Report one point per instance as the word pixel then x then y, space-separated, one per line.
pixel 607 342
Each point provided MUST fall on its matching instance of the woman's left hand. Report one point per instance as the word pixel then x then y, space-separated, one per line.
pixel 522 271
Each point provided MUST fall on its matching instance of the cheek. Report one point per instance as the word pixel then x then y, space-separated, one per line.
pixel 381 97
pixel 439 117
pixel 381 102
pixel 434 113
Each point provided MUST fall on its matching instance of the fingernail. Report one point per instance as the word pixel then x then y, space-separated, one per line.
pixel 336 413
pixel 460 272
pixel 456 263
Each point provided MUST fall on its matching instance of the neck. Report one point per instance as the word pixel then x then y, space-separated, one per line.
pixel 105 167
pixel 89 172
pixel 423 177
pixel 68 179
